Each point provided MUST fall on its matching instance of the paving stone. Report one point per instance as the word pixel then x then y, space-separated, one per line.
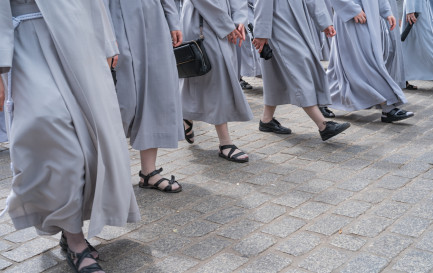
pixel 207 248
pixel 36 264
pixel 131 262
pixel 239 229
pixel 373 196
pixel 114 249
pixel 424 210
pixel 22 236
pixel 4 245
pixel 315 186
pixel 293 199
pixel 415 261
pixel 310 210
pixel 352 208
pixel 212 203
pixel 270 263
pixel 370 226
pixel 4 264
pixel 284 227
pixel 29 249
pixel 356 164
pixel 254 200
pixel 392 182
pixel 409 195
pixel 166 246
pixel 389 245
pixel 300 176
pixel 426 242
pixel 391 210
pixel 299 244
pixel 411 226
pixel 152 232
pixel 198 229
pixel 254 245
pixel 278 188
pixel 372 173
pixel 264 179
pixel 354 184
pixel 333 196
pixel 6 229
pixel 226 215
pixel 349 242
pixel 224 263
pixel 173 264
pixel 267 213
pixel 365 263
pixel 324 260
pixel 329 224
pixel 184 217
pixel 110 232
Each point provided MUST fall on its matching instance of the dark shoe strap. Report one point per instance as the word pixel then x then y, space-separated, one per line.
pixel 189 126
pixel 146 177
pixel 80 258
pixel 170 183
pixel 232 148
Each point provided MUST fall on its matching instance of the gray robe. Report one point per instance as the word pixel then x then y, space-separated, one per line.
pixel 294 75
pixel 216 97
pixel 147 78
pixel 70 157
pixel 418 46
pixel 357 74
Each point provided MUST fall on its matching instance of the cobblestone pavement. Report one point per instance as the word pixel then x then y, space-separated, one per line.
pixel 361 202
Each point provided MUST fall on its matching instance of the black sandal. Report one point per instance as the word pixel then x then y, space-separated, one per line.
pixel 411 86
pixel 87 253
pixel 145 184
pixel 64 245
pixel 188 136
pixel 232 157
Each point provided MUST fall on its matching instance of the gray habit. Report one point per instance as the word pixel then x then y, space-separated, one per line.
pixel 216 97
pixel 147 78
pixel 68 150
pixel 357 74
pixel 294 75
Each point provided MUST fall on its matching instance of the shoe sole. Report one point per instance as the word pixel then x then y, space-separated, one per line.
pixel 233 159
pixel 391 120
pixel 339 132
pixel 267 130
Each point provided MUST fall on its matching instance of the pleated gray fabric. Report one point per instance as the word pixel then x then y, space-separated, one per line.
pixel 216 97
pixel 70 157
pixel 357 74
pixel 249 65
pixel 294 75
pixel 147 78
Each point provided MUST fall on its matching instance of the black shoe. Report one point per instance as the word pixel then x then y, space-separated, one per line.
pixel 274 126
pixel 396 115
pixel 244 84
pixel 332 129
pixel 326 112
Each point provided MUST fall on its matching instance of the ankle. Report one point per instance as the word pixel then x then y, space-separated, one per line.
pixel 266 119
pixel 322 126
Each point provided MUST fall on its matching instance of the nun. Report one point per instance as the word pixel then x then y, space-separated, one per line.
pixel 357 74
pixel 294 75
pixel 216 98
pixel 418 46
pixel 148 83
pixel 69 163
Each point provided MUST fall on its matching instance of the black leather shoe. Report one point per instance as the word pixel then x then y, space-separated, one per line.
pixel 396 115
pixel 274 126
pixel 326 112
pixel 332 129
pixel 245 85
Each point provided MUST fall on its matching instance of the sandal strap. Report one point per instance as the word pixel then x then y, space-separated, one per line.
pixel 189 126
pixel 155 172
pixel 189 136
pixel 232 148
pixel 188 122
pixel 170 183
pixel 80 258
pixel 238 155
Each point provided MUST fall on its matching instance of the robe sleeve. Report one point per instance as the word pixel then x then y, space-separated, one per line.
pixel 217 18
pixel 346 9
pixel 239 10
pixel 413 6
pixel 263 16
pixel 111 48
pixel 385 9
pixel 171 14
pixel 319 13
pixel 6 37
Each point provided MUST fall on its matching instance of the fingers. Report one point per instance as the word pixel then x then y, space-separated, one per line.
pixel 361 18
pixel 241 29
pixel 178 39
pixel 109 60
pixel 174 37
pixel 392 22
pixel 115 60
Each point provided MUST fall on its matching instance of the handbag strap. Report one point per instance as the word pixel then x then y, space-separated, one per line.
pixel 201 28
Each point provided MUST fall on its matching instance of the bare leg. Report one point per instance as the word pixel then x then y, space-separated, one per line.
pixel 268 113
pixel 77 244
pixel 314 113
pixel 224 138
pixel 148 165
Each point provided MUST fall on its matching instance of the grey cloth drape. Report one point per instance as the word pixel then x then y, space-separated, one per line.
pixel 216 97
pixel 147 78
pixel 294 75
pixel 357 74
pixel 70 156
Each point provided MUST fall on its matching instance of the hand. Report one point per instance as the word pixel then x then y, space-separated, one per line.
pixel 330 31
pixel 361 18
pixel 259 43
pixel 410 18
pixel 234 36
pixel 392 22
pixel 113 60
pixel 176 37
pixel 2 94
pixel 241 29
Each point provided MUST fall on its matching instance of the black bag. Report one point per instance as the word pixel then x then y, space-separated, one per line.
pixel 191 57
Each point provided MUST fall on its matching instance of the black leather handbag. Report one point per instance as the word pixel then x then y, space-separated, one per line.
pixel 191 57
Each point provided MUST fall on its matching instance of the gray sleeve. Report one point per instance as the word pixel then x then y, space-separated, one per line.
pixel 111 48
pixel 216 17
pixel 171 14
pixel 319 12
pixel 346 9
pixel 413 6
pixel 7 37
pixel 263 17
pixel 385 9
pixel 239 9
